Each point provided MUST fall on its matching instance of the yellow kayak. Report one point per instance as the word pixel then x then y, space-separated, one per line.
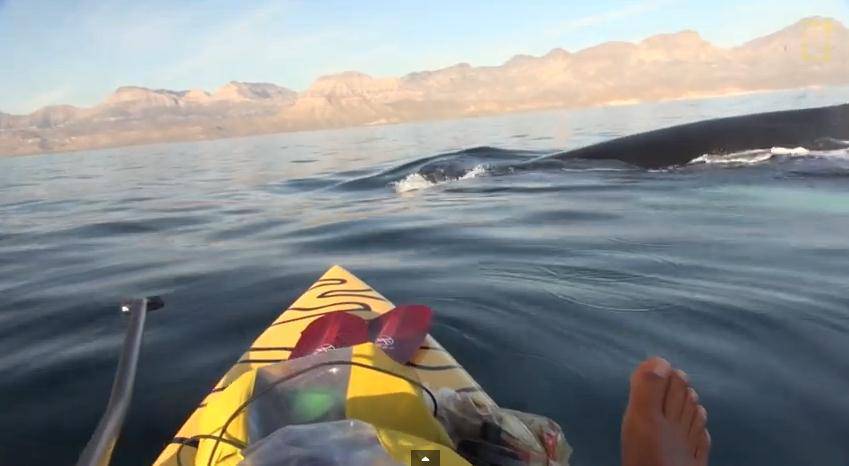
pixel 336 291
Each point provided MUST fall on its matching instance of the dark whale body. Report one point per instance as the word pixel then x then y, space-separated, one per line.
pixel 812 128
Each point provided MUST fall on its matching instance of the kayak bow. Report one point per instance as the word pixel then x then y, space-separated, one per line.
pixel 336 291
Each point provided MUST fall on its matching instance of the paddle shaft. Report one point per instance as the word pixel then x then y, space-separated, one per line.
pixel 98 451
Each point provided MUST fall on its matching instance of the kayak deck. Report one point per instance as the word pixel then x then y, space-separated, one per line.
pixel 338 290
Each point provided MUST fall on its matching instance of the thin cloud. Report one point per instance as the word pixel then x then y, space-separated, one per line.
pixel 627 11
pixel 257 34
pixel 50 97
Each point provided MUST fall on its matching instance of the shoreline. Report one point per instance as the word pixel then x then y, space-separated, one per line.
pixel 385 122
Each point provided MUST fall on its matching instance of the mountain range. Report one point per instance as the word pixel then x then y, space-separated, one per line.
pixel 811 52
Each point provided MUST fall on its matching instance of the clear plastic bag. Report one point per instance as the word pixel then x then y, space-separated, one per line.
pixel 338 443
pixel 316 395
pixel 485 434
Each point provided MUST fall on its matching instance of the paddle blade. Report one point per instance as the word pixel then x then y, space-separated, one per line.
pixel 401 331
pixel 331 331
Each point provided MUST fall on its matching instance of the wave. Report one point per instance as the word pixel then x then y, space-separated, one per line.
pixel 423 173
pixel 443 168
pixel 482 161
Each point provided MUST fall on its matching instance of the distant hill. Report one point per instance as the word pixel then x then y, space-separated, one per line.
pixel 812 52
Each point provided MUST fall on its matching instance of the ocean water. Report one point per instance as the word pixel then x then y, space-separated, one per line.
pixel 549 284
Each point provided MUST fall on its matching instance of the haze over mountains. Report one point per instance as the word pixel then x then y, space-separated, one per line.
pixel 812 52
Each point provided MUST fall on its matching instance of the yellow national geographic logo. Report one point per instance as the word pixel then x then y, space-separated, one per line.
pixel 817 41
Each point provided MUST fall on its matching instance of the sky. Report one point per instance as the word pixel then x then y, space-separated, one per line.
pixel 78 51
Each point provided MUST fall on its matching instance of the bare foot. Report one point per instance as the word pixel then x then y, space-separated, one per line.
pixel 664 424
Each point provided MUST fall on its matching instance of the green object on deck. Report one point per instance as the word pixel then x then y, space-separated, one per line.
pixel 312 405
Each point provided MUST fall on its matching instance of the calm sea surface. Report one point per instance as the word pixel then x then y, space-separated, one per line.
pixel 549 284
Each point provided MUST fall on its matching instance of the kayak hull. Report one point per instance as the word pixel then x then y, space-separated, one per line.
pixel 338 290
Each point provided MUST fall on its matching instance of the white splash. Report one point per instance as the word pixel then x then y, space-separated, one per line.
pixel 748 157
pixel 474 172
pixel 797 151
pixel 413 182
pixel 756 156
pixel 416 182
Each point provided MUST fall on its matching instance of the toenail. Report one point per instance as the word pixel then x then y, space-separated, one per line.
pixel 661 370
pixel 694 397
pixel 656 366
